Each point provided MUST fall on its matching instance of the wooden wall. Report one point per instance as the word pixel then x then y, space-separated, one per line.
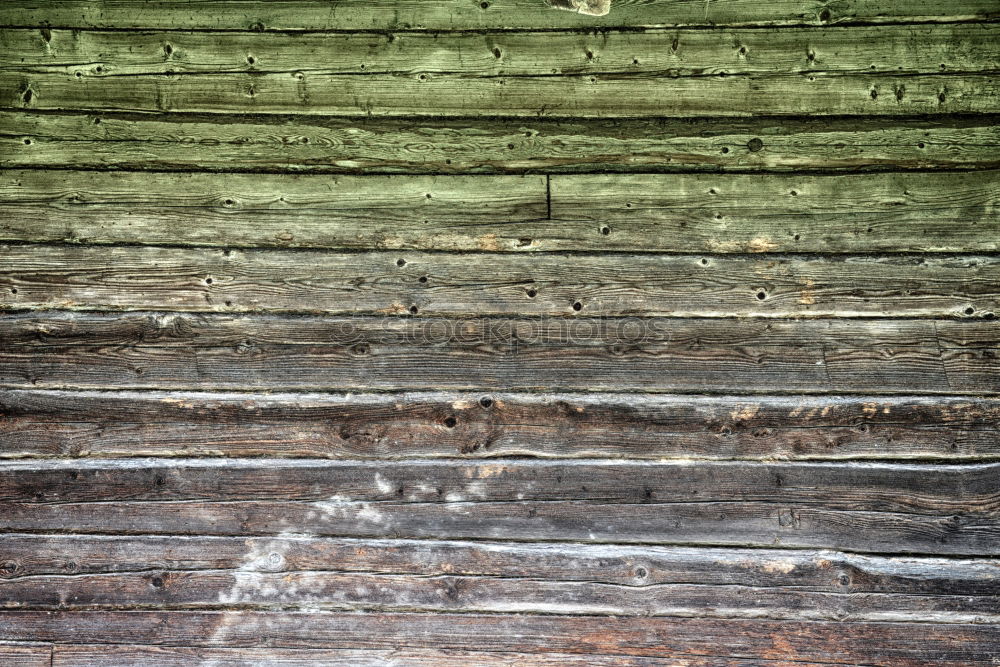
pixel 448 332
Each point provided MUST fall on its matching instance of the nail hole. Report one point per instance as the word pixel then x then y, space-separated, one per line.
pixel 796 237
pixel 824 15
pixel 761 295
pixel 400 262
pixel 510 146
pixel 229 202
pixel 704 262
pixel 590 55
pixel 725 150
pixel 577 306
pixel 251 60
pixel 531 293
pixel 157 582
pixel 413 310
pixel 208 281
pixel 484 5
pixel 605 230
pixel 874 94
pixel 496 53
pixel 794 193
pixel 486 402
pixel 168 49
pixel 450 422
pixel 13 290
pixel 361 349
pixel 422 279
pixel 920 145
pixel 428 195
pixel 640 572
pixel 970 310
pixel 755 144
pixel 229 303
pixel 79 74
pixel 27 142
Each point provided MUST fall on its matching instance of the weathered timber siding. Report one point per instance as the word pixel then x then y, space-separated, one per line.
pixel 399 332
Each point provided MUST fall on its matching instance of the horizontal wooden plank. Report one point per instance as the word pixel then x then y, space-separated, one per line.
pixel 678 53
pixel 173 351
pixel 177 573
pixel 131 655
pixel 890 644
pixel 26 655
pixel 134 655
pixel 896 487
pixel 487 284
pixel 391 426
pixel 457 95
pixel 386 145
pixel 401 15
pixel 891 508
pixel 714 213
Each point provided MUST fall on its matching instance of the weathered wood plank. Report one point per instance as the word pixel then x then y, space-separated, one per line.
pixel 901 644
pixel 26 655
pixel 916 488
pixel 576 95
pixel 402 15
pixel 900 50
pixel 891 508
pixel 396 426
pixel 435 284
pixel 120 655
pixel 171 351
pixel 387 145
pixel 177 573
pixel 732 213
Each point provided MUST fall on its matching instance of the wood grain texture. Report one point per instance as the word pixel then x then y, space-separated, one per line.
pixel 218 142
pixel 907 644
pixel 490 284
pixel 713 213
pixel 39 423
pixel 375 15
pixel 900 50
pixel 207 572
pixel 172 351
pixel 891 508
pixel 455 95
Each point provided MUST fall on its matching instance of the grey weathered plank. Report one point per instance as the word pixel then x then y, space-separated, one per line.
pixel 174 351
pixel 714 213
pixel 891 508
pixel 926 489
pixel 26 655
pixel 396 426
pixel 100 56
pixel 576 95
pixel 258 15
pixel 717 640
pixel 203 572
pixel 487 284
pixel 387 145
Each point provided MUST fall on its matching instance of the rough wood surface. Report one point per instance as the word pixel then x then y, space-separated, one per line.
pixel 487 284
pixel 892 508
pixel 717 213
pixel 402 15
pixel 399 426
pixel 706 640
pixel 103 56
pixel 174 351
pixel 579 95
pixel 175 573
pixel 216 142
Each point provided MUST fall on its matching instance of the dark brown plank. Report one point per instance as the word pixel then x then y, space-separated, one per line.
pixel 170 351
pixel 906 644
pixel 389 426
pixel 438 284
pixel 25 655
pixel 177 573
pixel 216 142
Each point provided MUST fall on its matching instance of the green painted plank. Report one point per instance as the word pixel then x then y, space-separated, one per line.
pixel 472 14
pixel 710 213
pixel 909 70
pixel 590 96
pixel 892 49
pixel 386 145
pixel 445 284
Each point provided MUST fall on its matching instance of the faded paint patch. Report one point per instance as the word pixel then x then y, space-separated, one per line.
pixel 590 7
pixel 745 412
pixel 807 296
